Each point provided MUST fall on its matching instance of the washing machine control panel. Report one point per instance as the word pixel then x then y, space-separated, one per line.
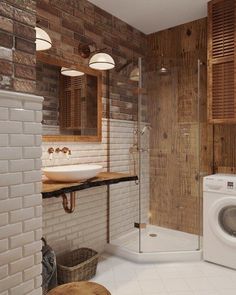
pixel 220 182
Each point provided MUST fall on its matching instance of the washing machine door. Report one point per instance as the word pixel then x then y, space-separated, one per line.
pixel 222 218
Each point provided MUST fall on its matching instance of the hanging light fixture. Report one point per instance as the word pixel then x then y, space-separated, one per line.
pixel 71 72
pixel 134 75
pixel 43 41
pixel 101 61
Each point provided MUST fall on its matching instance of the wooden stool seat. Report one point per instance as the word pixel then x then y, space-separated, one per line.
pixel 80 288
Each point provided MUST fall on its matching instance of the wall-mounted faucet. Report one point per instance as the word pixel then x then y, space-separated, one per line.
pixel 50 151
pixel 145 128
pixel 65 150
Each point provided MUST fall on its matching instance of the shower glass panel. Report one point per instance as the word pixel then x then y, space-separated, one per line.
pixel 156 122
pixel 170 107
pixel 124 206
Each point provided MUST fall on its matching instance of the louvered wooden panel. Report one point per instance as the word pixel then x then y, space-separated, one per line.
pixel 223 102
pixel 70 102
pixel 221 64
pixel 223 18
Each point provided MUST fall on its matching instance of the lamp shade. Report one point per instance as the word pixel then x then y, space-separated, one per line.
pixel 71 72
pixel 43 41
pixel 134 75
pixel 101 61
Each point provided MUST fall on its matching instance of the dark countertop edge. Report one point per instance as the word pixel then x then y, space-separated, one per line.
pixel 86 185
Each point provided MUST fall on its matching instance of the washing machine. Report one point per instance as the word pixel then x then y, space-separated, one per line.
pixel 219 219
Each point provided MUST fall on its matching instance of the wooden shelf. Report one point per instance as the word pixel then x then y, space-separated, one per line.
pixel 52 189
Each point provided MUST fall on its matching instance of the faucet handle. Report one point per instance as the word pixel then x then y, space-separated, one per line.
pixel 50 151
pixel 66 150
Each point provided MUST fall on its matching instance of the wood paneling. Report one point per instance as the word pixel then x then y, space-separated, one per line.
pixel 173 107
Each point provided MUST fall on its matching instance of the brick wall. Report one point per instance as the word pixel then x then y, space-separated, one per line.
pixel 17 45
pixel 87 226
pixel 71 23
pixel 20 193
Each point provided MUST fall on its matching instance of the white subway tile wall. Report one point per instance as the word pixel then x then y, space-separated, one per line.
pixel 20 198
pixel 87 226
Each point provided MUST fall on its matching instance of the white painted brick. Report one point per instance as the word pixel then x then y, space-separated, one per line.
pixel 30 105
pixel 4 113
pixel 11 281
pixel 3 139
pixel 21 115
pixel 3 219
pixel 21 140
pixel 3 166
pixel 11 255
pixel 14 145
pixel 32 248
pixel 23 288
pixel 3 271
pixel 38 140
pixel 10 179
pixel 32 272
pixel 38 116
pixel 21 239
pixel 10 204
pixel 34 200
pixel 39 209
pixel 21 165
pixel 4 193
pixel 32 152
pixel 33 224
pixel 38 164
pixel 7 127
pixel 38 187
pixel 3 245
pixel 21 190
pixel 9 102
pixel 38 257
pixel 38 281
pixel 32 176
pixel 31 128
pixel 36 292
pixel 21 265
pixel 10 230
pixel 87 226
pixel 10 153
pixel 38 234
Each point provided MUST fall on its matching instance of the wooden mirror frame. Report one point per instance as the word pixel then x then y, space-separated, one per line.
pixel 41 57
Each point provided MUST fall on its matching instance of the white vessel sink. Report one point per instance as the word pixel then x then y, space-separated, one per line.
pixel 72 173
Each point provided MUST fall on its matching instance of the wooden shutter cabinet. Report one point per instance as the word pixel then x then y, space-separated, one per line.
pixel 221 61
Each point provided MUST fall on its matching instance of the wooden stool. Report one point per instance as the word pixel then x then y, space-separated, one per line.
pixel 80 288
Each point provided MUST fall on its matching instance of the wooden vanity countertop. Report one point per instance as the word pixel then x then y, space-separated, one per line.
pixel 52 189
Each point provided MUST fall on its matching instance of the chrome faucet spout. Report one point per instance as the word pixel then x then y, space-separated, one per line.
pixel 145 128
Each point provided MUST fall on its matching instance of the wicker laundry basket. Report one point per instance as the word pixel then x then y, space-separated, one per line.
pixel 78 265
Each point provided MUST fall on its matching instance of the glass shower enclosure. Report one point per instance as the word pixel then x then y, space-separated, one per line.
pixel 160 213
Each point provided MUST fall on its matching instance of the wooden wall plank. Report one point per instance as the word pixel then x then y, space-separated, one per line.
pixel 174 141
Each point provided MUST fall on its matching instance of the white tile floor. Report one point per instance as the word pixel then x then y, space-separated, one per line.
pixel 122 277
pixel 165 240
